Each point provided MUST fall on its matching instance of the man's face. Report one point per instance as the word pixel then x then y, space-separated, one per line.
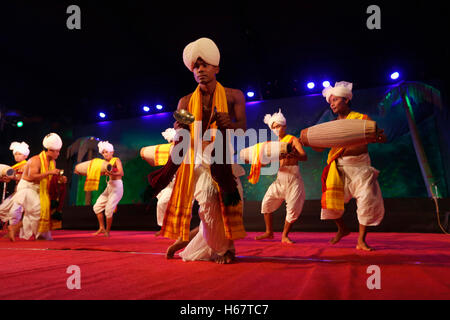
pixel 107 155
pixel 204 72
pixel 338 104
pixel 18 157
pixel 279 129
pixel 53 154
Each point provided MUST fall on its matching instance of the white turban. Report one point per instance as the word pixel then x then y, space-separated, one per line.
pixel 105 145
pixel 20 147
pixel 340 89
pixel 52 141
pixel 169 134
pixel 276 117
pixel 202 48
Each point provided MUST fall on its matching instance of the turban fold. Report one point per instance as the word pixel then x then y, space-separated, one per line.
pixel 202 48
pixel 105 145
pixel 276 117
pixel 20 147
pixel 169 134
pixel 52 141
pixel 340 89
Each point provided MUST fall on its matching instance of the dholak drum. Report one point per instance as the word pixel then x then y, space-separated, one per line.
pixel 339 133
pixel 82 167
pixel 6 171
pixel 270 151
pixel 156 155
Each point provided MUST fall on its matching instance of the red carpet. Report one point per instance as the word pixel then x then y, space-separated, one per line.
pixel 131 265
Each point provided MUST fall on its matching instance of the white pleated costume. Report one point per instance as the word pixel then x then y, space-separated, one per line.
pixel 287 187
pixel 27 200
pixel 111 196
pixel 210 241
pixel 360 178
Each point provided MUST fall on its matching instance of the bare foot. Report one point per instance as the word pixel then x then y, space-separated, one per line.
pixel 285 239
pixel 266 235
pixel 362 245
pixel 339 235
pixel 158 233
pixel 101 230
pixel 106 234
pixel 227 258
pixel 178 245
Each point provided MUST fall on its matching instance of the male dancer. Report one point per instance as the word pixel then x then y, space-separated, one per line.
pixel 107 202
pixel 212 185
pixel 32 194
pixel 288 186
pixel 349 174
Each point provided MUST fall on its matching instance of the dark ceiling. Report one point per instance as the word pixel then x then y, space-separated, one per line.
pixel 129 53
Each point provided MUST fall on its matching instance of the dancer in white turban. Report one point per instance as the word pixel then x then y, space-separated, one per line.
pixel 288 186
pixel 20 151
pixel 221 223
pixel 33 193
pixel 107 202
pixel 349 174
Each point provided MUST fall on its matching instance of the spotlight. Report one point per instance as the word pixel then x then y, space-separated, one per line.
pixel 311 85
pixel 326 84
pixel 102 115
pixel 159 107
pixel 146 108
pixel 395 75
pixel 19 124
pixel 250 94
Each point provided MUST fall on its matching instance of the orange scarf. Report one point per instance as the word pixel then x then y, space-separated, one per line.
pixel 255 169
pixel 19 166
pixel 178 214
pixel 332 183
pixel 94 173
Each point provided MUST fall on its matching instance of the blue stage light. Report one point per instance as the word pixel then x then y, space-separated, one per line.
pixel 311 85
pixel 395 75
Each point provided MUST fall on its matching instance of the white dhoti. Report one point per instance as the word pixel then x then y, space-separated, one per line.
pixel 360 182
pixel 163 200
pixel 26 199
pixel 6 207
pixel 287 187
pixel 110 198
pixel 210 241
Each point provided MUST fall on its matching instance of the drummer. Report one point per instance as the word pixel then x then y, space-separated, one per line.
pixel 288 186
pixel 107 202
pixel 349 174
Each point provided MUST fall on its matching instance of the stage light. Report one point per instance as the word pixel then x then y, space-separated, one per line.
pixel 19 124
pixel 146 108
pixel 159 107
pixel 326 84
pixel 102 115
pixel 311 85
pixel 395 75
pixel 250 94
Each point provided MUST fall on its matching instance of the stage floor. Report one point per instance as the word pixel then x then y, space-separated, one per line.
pixel 132 265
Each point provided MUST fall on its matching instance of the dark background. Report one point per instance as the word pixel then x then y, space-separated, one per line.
pixel 129 53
